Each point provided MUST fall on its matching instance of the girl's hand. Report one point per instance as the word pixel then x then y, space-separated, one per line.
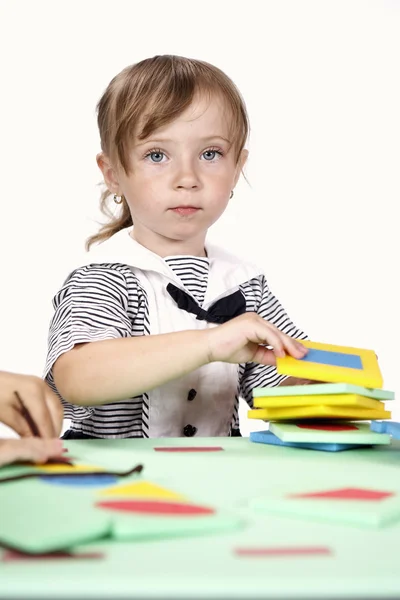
pixel 33 450
pixel 244 339
pixel 43 405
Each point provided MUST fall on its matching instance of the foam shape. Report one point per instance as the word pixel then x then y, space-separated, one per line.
pixel 267 437
pixel 349 400
pixel 80 480
pixel 334 364
pixel 353 506
pixel 333 389
pixel 282 551
pixel 341 433
pixel 59 469
pixel 155 507
pixel 389 427
pixel 140 527
pixel 188 448
pixel 38 519
pixel 366 495
pixel 142 489
pixel 318 411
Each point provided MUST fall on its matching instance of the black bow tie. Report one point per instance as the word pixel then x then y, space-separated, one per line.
pixel 221 311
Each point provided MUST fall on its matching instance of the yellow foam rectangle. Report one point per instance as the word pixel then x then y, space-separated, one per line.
pixel 367 374
pixel 326 399
pixel 318 411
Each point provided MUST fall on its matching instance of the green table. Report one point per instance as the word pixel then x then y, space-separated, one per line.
pixel 364 563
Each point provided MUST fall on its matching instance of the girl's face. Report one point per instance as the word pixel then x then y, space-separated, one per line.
pixel 180 179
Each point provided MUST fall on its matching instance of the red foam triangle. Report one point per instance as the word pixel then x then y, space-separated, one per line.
pixel 327 427
pixel 155 507
pixel 347 494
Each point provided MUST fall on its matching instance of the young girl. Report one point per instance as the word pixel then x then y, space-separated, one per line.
pixel 161 332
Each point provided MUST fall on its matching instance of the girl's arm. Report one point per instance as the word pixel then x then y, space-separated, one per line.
pixel 112 370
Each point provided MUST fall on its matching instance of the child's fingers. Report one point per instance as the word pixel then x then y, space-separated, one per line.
pixel 281 343
pixel 264 356
pixel 11 417
pixel 293 347
pixel 35 400
pixel 29 449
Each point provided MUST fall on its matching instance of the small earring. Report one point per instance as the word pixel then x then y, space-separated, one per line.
pixel 118 199
pixel 231 196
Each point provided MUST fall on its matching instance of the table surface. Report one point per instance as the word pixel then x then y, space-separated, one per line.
pixel 364 562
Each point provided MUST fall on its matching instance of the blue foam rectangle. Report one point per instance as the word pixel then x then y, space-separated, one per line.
pixel 267 437
pixel 334 359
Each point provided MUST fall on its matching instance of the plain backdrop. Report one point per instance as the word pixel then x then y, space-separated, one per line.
pixel 319 210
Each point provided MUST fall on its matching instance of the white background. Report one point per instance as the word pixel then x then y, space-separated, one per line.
pixel 321 82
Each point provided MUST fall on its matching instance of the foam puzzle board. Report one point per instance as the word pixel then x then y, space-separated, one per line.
pixel 267 437
pixel 336 432
pixel 38 518
pixel 324 389
pixel 350 400
pixel 134 527
pixel 334 364
pixel 318 411
pixel 362 507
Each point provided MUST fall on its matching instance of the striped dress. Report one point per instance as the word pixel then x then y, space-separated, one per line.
pixel 107 300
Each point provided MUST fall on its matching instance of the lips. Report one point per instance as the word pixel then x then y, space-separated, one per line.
pixel 185 210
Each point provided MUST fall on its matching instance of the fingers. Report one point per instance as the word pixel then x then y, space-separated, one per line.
pixel 294 347
pixel 264 356
pixel 29 449
pixel 281 343
pixel 12 417
pixel 42 404
pixel 34 396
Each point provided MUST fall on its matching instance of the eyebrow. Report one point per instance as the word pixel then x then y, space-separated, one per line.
pixel 166 140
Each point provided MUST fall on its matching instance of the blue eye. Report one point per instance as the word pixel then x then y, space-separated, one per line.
pixel 209 154
pixel 156 156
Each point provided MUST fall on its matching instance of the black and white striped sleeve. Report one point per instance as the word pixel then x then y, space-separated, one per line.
pixel 92 305
pixel 268 307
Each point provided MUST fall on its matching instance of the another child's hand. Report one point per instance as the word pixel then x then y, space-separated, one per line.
pixel 33 450
pixel 244 339
pixel 43 405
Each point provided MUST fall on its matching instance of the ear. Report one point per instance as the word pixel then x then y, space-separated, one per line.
pixel 240 164
pixel 109 173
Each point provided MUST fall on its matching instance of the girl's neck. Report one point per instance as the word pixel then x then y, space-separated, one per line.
pixel 167 247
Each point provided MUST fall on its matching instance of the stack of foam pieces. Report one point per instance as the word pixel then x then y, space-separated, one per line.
pixel 344 412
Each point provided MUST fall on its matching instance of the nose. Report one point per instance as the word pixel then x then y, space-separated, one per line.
pixel 186 177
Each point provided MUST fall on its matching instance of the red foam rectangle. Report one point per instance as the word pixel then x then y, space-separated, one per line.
pixel 283 551
pixel 361 494
pixel 327 427
pixel 188 448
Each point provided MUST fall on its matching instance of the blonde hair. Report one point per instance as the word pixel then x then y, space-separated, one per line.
pixel 149 95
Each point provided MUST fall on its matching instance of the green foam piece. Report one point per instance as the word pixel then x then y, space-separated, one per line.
pixel 373 514
pixel 322 388
pixel 38 518
pixel 290 432
pixel 133 527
